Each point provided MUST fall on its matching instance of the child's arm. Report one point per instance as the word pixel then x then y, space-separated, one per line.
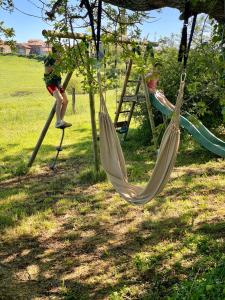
pixel 48 69
pixel 148 76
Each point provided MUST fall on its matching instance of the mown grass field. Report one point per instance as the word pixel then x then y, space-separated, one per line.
pixel 64 236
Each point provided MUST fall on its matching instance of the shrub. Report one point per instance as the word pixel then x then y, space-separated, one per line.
pixel 204 93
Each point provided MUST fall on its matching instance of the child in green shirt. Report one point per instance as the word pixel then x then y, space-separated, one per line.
pixel 52 80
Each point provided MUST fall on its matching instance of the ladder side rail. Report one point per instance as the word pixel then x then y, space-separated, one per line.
pixel 123 91
pixel 129 119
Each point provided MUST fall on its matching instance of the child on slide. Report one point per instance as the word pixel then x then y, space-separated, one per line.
pixel 152 78
pixel 52 80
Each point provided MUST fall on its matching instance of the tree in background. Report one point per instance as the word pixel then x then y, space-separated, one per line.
pixel 205 91
pixel 7 34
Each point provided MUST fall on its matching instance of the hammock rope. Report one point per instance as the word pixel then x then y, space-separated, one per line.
pixel 113 161
pixel 111 153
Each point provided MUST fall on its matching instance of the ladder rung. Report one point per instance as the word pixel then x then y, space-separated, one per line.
pixel 124 111
pixel 134 81
pixel 130 98
pixel 120 124
pixel 122 130
pixel 140 98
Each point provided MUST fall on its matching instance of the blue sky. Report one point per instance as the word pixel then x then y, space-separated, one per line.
pixel 164 23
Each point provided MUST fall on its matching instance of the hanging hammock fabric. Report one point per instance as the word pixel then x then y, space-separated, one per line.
pixel 113 161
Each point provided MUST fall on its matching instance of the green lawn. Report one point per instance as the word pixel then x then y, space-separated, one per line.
pixel 64 236
pixel 25 105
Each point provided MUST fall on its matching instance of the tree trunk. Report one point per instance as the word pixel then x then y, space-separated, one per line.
pixel 214 9
pixel 92 111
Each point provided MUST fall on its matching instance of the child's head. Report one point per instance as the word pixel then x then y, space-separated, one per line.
pixel 54 50
pixel 155 70
pixel 157 67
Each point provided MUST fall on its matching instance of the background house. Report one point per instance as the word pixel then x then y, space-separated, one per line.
pixel 23 48
pixel 33 46
pixel 38 47
pixel 4 49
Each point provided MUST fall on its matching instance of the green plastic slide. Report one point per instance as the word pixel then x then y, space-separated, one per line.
pixel 196 129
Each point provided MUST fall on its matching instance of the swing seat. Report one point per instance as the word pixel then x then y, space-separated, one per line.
pixel 64 126
pixel 121 127
pixel 59 149
pixel 122 130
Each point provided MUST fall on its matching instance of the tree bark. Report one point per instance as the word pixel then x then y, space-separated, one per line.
pixel 214 8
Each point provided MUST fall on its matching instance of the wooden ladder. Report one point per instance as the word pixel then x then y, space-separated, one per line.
pixel 123 126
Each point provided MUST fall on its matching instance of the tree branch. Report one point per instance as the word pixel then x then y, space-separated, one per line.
pixel 214 8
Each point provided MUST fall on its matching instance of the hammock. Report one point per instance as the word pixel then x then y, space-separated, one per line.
pixel 113 161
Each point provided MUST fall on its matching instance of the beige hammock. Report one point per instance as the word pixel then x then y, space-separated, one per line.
pixel 113 161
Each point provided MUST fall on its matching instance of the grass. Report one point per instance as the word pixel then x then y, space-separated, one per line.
pixel 25 105
pixel 68 235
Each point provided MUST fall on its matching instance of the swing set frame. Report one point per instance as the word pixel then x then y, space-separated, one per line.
pixel 88 38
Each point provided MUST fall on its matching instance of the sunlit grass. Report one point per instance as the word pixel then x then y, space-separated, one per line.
pixel 22 117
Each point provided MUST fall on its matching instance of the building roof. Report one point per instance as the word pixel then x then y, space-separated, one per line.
pixel 32 42
pixel 4 46
pixel 23 45
pixel 2 43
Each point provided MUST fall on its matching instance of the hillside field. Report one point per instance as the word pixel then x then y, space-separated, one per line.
pixel 64 235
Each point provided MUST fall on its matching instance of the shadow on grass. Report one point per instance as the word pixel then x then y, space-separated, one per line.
pixel 71 263
pixel 96 251
pixel 161 271
pixel 68 263
pixel 34 265
pixel 76 153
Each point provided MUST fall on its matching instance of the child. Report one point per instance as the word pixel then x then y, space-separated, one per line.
pixel 152 78
pixel 52 80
